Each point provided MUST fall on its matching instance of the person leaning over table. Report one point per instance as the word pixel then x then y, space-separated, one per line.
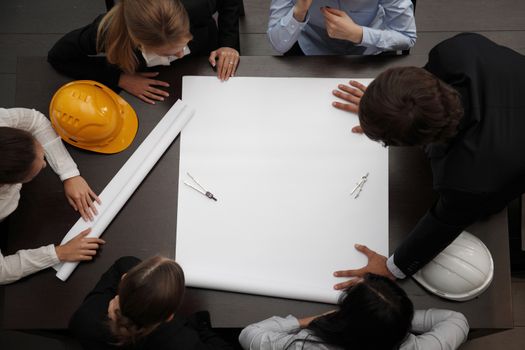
pixel 136 34
pixel 466 109
pixel 135 305
pixel 343 27
pixel 26 137
pixel 374 314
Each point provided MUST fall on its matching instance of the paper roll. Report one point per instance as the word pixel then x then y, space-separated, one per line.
pixel 129 177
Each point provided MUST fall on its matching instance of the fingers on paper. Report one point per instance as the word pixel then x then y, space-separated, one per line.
pixel 347 284
pixel 83 234
pixel 349 97
pixel 86 208
pixel 357 129
pixel 358 85
pixel 365 250
pixel 354 92
pixel 95 197
pixel 345 106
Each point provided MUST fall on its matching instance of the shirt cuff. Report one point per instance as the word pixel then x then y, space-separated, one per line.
pixel 369 37
pixel 68 175
pixel 392 267
pixel 290 323
pixel 51 258
pixel 292 25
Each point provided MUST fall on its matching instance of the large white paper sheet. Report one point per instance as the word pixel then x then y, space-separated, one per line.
pixel 129 177
pixel 282 163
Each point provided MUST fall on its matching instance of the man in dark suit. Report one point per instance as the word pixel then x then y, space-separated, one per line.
pixel 466 108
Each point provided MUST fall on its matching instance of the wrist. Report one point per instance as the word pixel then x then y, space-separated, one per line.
pixel 299 13
pixel 356 35
pixel 305 322
pixel 60 253
pixel 121 80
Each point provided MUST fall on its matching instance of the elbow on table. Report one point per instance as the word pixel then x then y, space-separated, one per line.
pixel 248 336
pixel 279 45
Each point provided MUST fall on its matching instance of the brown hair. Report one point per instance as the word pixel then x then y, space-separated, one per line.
pixel 408 106
pixel 17 154
pixel 130 23
pixel 148 295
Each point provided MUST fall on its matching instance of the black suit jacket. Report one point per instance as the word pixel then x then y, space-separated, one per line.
pixel 90 323
pixel 73 55
pixel 483 168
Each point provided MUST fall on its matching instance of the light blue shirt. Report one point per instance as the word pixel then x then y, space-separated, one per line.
pixel 388 25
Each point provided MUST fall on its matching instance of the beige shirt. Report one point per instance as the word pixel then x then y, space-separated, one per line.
pixel 25 262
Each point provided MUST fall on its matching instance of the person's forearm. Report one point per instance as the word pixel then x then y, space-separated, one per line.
pixel 25 262
pixel 427 239
pixel 228 23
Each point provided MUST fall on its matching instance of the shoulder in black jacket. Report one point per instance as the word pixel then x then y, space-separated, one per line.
pixel 90 322
pixel 483 167
pixel 74 54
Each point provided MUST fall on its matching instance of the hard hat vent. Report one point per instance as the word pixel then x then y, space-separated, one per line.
pixel 460 272
pixel 91 116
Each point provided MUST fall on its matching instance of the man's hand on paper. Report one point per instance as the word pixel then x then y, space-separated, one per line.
pixel 340 26
pixel 141 85
pixel 301 9
pixel 376 265
pixel 80 248
pixel 225 60
pixel 351 94
pixel 81 197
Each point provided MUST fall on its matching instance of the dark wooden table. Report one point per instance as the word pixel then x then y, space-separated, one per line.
pixel 146 225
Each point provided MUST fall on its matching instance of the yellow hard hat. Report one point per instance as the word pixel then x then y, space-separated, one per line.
pixel 91 116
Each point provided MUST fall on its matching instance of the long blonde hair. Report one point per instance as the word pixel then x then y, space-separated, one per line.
pixel 130 23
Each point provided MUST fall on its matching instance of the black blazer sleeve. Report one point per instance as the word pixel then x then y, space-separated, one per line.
pixel 451 214
pixel 228 22
pixel 201 323
pixel 74 56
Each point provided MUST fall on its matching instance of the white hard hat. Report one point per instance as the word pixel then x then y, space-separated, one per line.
pixel 460 272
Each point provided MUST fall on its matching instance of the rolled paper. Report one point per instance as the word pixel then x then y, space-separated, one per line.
pixel 129 177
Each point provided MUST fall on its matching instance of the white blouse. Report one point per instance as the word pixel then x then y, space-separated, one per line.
pixel 25 262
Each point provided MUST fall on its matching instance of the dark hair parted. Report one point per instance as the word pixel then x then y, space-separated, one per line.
pixel 373 314
pixel 17 154
pixel 408 106
pixel 148 295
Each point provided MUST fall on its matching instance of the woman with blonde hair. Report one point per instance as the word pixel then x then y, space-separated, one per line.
pixel 136 34
pixel 135 306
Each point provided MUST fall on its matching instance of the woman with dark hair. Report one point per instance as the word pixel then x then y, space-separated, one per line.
pixel 135 306
pixel 374 314
pixel 26 140
pixel 466 109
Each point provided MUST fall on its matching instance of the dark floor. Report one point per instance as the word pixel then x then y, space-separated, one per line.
pixel 30 27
